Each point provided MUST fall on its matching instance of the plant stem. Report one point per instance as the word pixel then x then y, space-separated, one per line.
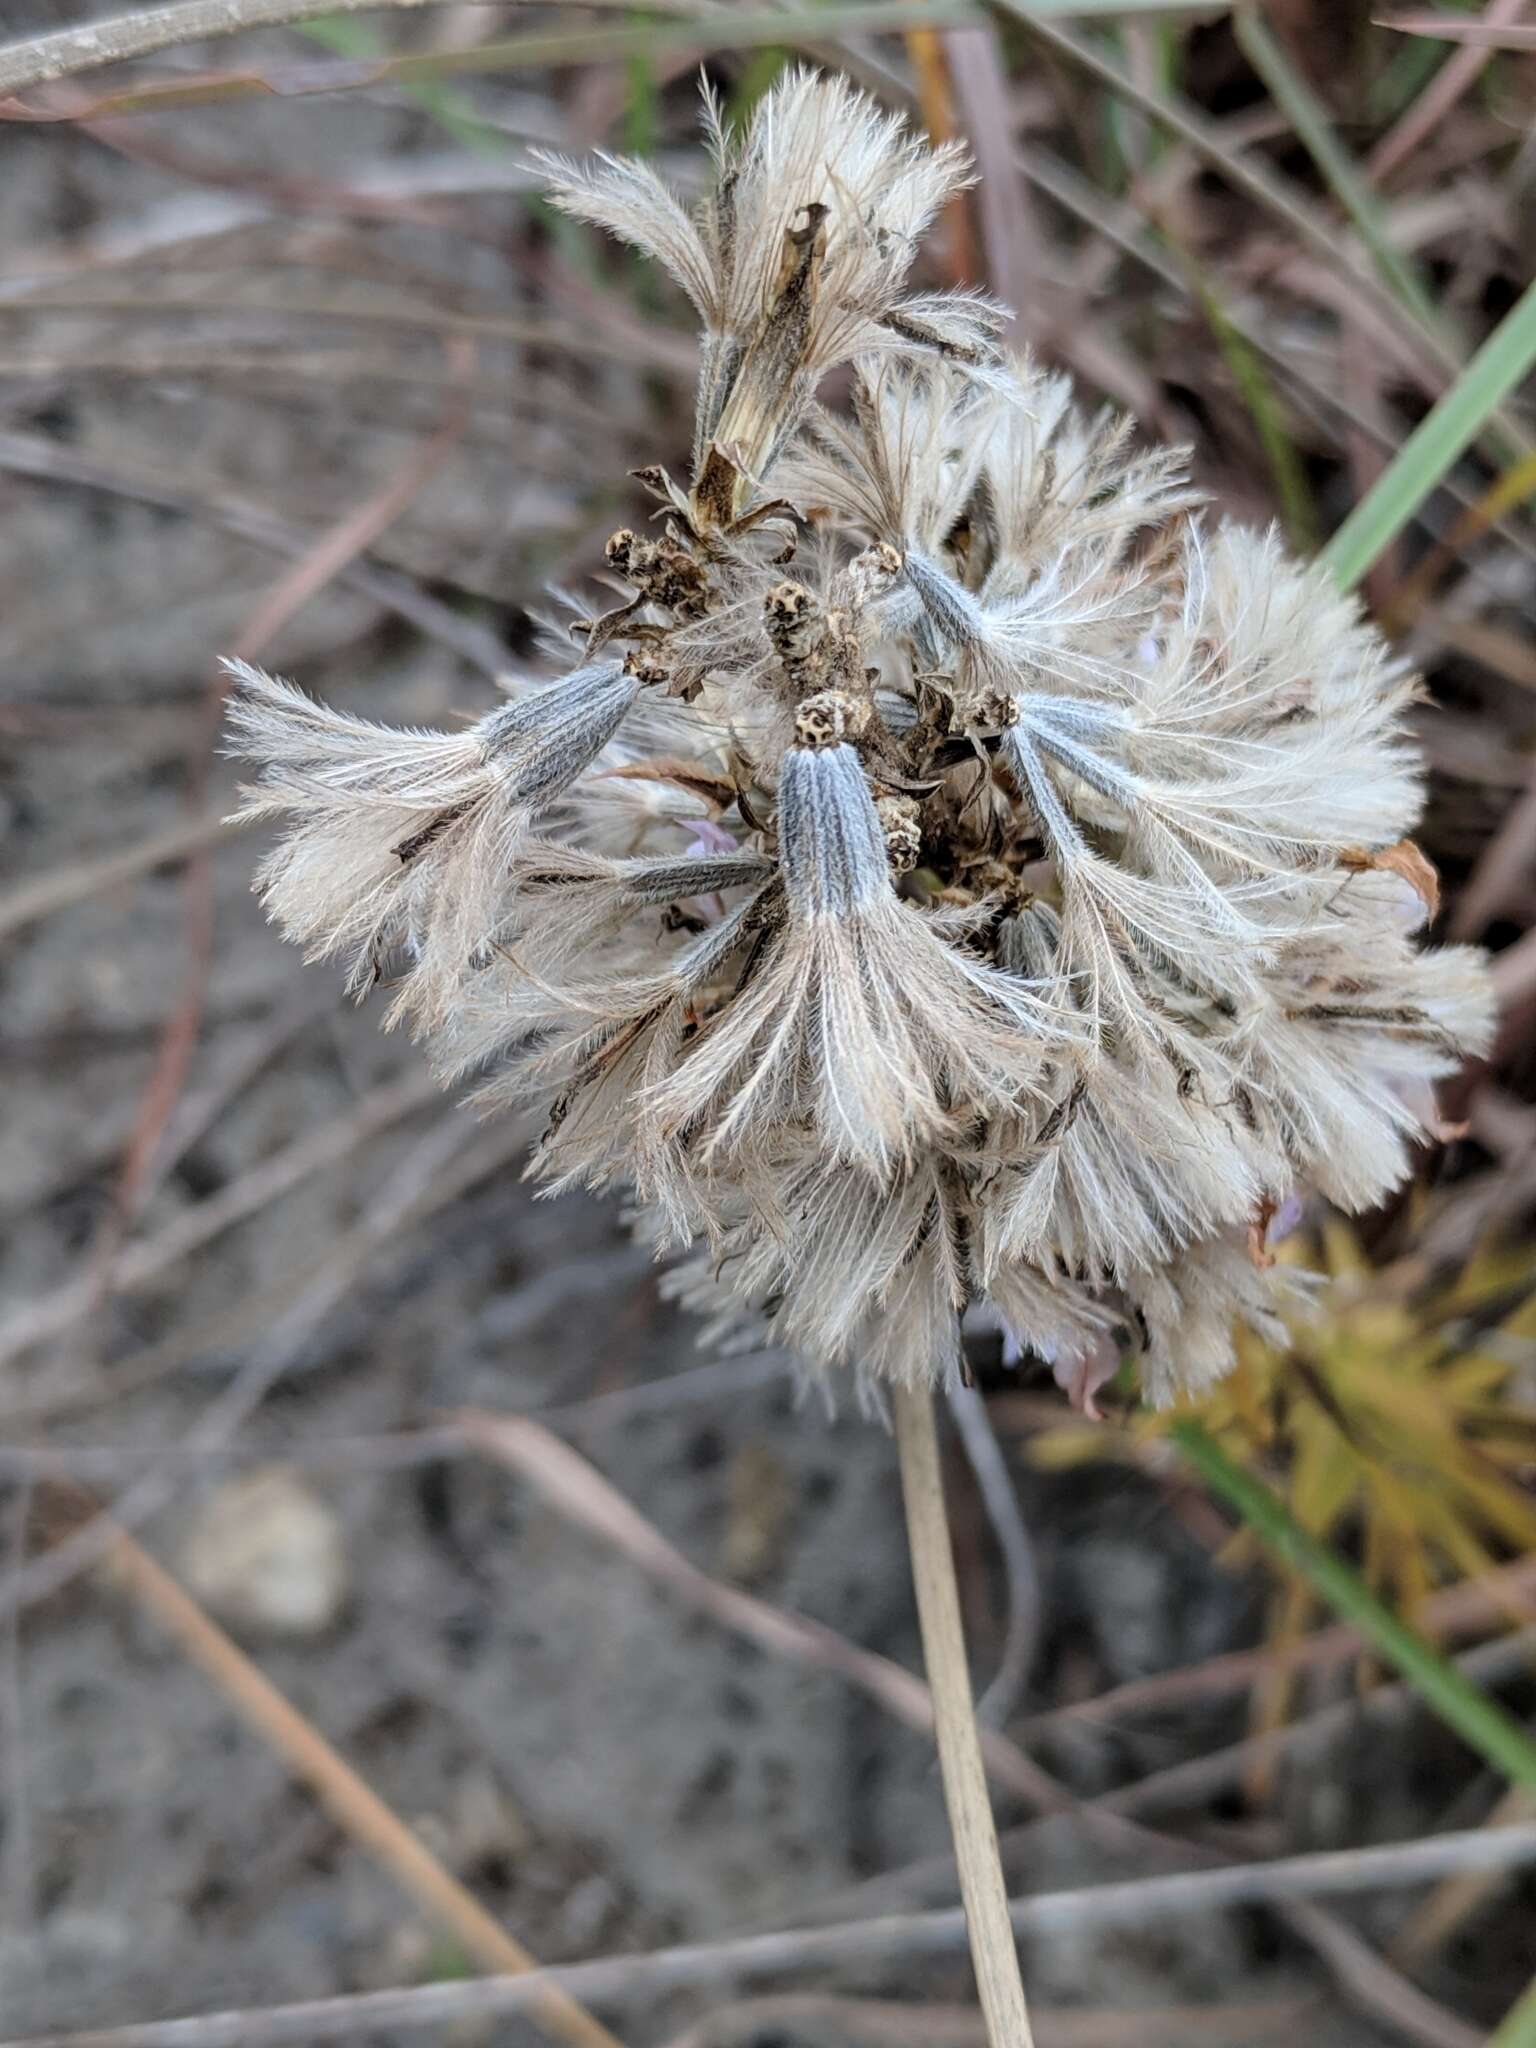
pixel 994 1952
pixel 1436 443
pixel 1519 2028
pixel 1481 1722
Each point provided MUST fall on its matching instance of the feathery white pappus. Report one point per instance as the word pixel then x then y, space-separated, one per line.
pixel 959 876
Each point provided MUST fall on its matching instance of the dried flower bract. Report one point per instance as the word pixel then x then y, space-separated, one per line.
pixel 960 874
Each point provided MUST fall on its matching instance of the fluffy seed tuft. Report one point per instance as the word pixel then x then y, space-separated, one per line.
pixel 959 876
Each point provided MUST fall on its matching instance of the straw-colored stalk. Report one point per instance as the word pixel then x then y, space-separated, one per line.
pixel 994 1952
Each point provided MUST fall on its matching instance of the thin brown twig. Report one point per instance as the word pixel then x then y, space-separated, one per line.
pixel 1021 1576
pixel 146 1260
pixel 884 2023
pixel 36 456
pixel 1456 77
pixel 272 1356
pixel 1375 1985
pixel 573 1485
pixel 1199 1778
pixel 909 1938
pixel 1464 1609
pixel 61 887
pixel 183 1027
pixel 351 1801
pixel 39 60
pixel 1455 1899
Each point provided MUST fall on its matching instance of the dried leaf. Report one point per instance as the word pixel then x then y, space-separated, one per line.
pixel 697 777
pixel 1404 859
pixel 1258 1233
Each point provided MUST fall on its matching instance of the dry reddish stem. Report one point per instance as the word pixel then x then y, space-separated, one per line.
pixel 354 1804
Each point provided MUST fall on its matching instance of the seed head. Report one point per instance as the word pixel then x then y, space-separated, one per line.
pixel 960 874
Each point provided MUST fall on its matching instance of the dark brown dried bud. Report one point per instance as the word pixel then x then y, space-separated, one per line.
pixel 675 579
pixel 829 718
pixel 901 822
pixel 648 665
pixel 790 616
pixel 989 710
pixel 664 571
pixel 620 549
pixel 874 572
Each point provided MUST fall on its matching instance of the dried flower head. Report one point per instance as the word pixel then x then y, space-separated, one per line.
pixel 956 876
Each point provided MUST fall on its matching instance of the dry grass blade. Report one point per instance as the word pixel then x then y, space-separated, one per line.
pixel 1503 869
pixel 1010 235
pixel 1448 85
pixel 1125 228
pixel 39 60
pixel 1310 121
pixel 1204 1777
pixel 1264 187
pixel 351 1801
pixel 1375 1986
pixel 1459 1610
pixel 627 343
pixel 35 1322
pixel 34 455
pixel 21 65
pixel 1514 971
pixel 882 2023
pixel 908 1937
pixel 1457 1898
pixel 575 1487
pixel 1451 28
pixel 77 883
pixel 994 1483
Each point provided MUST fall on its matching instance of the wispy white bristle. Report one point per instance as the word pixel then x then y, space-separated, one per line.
pixel 965 879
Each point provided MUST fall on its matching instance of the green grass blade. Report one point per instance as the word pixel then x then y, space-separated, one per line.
pixel 1298 515
pixel 640 126
pixel 1519 2028
pixel 1306 114
pixel 1309 118
pixel 450 109
pixel 1481 1722
pixel 1242 169
pixel 1443 435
